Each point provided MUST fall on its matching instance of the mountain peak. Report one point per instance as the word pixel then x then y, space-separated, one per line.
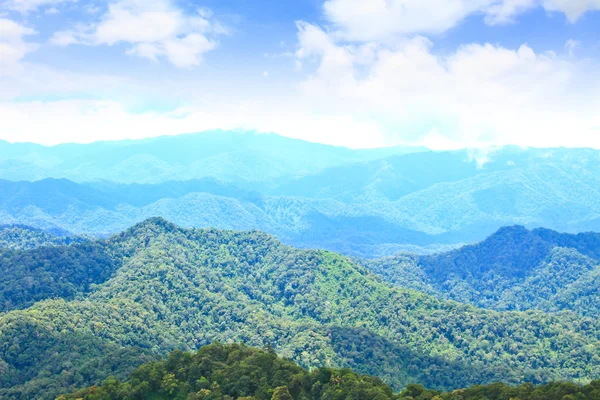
pixel 156 223
pixel 151 227
pixel 511 230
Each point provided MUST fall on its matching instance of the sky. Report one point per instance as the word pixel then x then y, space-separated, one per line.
pixel 445 74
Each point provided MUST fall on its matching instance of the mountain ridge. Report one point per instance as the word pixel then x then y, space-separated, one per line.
pixel 182 288
pixel 502 271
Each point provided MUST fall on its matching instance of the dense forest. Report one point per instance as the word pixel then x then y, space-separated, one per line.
pixel 157 287
pixel 220 372
pixel 17 237
pixel 514 269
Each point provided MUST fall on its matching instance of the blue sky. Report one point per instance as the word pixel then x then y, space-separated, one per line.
pixel 358 73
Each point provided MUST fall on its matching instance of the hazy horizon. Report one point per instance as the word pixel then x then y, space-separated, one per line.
pixel 487 148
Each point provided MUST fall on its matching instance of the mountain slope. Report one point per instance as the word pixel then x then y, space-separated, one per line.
pixel 18 237
pixel 514 269
pixel 182 288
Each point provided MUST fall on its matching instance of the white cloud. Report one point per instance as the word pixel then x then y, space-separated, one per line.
pixel 90 120
pixel 365 95
pixel 573 9
pixel 571 45
pixel 360 20
pixel 12 45
pixel 155 29
pixel 376 19
pixel 501 12
pixel 365 82
pixel 26 6
pixel 478 96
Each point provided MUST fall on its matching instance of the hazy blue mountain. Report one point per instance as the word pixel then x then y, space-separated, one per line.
pixel 514 269
pixel 104 208
pixel 366 203
pixel 393 177
pixel 231 156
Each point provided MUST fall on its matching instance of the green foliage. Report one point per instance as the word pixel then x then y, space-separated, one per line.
pixel 184 288
pixel 514 269
pixel 15 237
pixel 53 272
pixel 499 391
pixel 235 371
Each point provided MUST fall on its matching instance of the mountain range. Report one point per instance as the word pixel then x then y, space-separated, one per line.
pixel 366 203
pixel 74 314
pixel 227 155
pixel 514 269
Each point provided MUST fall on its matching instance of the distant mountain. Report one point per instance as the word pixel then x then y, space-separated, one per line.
pixel 105 208
pixel 365 203
pixel 102 308
pixel 514 269
pixel 225 155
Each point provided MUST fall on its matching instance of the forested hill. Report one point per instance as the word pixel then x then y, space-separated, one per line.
pixel 19 237
pixel 220 372
pixel 170 288
pixel 514 269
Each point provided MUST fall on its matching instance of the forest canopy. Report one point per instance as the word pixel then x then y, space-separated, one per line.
pixel 227 372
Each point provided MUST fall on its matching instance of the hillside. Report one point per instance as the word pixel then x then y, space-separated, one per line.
pixel 239 372
pixel 183 288
pixel 362 203
pixel 514 269
pixel 18 237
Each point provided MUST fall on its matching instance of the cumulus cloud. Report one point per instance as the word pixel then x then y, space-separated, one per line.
pixel 378 19
pixel 373 60
pixel 13 47
pixel 479 95
pixel 155 29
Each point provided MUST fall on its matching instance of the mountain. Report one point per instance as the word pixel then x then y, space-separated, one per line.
pixel 18 237
pixel 369 203
pixel 514 269
pixel 238 372
pixel 224 155
pixel 159 287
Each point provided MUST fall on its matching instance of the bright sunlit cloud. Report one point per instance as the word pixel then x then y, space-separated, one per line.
pixel 378 19
pixel 368 74
pixel 13 45
pixel 154 29
pixel 480 95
